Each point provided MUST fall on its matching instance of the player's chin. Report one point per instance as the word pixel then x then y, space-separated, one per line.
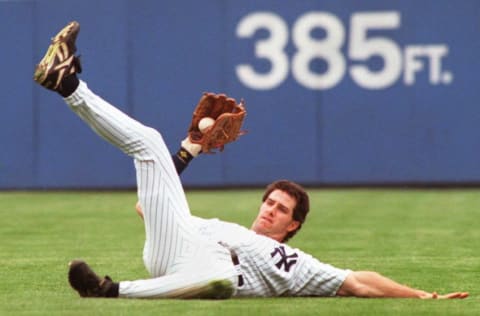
pixel 261 228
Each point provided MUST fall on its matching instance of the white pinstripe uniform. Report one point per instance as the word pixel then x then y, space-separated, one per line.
pixel 181 251
pixel 269 268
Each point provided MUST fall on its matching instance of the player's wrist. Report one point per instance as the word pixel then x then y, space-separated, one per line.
pixel 193 149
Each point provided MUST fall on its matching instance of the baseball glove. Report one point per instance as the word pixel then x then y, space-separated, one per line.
pixel 228 116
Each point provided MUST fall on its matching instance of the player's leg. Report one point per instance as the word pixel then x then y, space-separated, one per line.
pixel 166 212
pixel 160 192
pixel 171 240
pixel 212 278
pixel 181 286
pixel 170 237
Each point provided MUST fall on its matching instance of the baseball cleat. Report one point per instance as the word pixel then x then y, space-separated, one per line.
pixel 60 60
pixel 82 278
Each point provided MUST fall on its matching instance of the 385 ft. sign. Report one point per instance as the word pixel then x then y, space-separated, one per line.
pixel 361 47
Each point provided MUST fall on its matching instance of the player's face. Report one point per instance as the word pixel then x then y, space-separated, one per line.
pixel 275 218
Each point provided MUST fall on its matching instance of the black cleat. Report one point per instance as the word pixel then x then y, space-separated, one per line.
pixel 60 60
pixel 87 283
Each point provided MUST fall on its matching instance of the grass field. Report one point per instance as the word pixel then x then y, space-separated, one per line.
pixel 423 238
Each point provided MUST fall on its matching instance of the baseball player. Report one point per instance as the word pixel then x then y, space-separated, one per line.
pixel 190 257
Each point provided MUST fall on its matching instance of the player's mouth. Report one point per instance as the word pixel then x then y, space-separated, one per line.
pixel 267 219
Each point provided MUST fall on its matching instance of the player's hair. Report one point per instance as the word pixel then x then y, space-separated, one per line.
pixel 299 194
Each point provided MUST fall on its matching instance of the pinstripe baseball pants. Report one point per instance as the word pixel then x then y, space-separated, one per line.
pixel 177 257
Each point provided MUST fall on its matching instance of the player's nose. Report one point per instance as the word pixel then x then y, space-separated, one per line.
pixel 271 210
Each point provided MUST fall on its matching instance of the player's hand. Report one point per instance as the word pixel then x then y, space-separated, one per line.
pixel 138 208
pixel 226 117
pixel 454 295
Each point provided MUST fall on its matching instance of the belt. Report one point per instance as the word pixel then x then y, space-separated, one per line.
pixel 236 262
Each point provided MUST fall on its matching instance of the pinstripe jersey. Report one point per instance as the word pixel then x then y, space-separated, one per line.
pixel 271 268
pixel 181 251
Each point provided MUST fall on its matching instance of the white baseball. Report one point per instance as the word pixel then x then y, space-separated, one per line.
pixel 205 123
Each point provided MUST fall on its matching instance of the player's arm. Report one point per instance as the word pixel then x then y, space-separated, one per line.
pixel 374 285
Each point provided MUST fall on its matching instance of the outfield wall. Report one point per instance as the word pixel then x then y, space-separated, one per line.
pixel 337 92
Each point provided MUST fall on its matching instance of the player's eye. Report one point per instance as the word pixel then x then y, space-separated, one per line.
pixel 283 209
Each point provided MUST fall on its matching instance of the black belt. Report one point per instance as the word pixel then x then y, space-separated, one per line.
pixel 236 262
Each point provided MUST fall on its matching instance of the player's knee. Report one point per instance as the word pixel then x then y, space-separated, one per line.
pixel 222 289
pixel 213 290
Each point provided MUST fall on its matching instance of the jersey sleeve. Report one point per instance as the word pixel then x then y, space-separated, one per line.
pixel 314 278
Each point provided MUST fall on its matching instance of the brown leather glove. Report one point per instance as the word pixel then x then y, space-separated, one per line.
pixel 228 116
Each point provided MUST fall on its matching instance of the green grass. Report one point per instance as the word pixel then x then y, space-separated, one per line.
pixel 427 239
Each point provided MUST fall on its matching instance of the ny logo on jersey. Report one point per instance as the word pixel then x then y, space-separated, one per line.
pixel 286 261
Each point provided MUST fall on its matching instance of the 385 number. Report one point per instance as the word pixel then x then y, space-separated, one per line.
pixel 361 47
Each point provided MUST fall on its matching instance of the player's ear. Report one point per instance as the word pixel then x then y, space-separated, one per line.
pixel 293 226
